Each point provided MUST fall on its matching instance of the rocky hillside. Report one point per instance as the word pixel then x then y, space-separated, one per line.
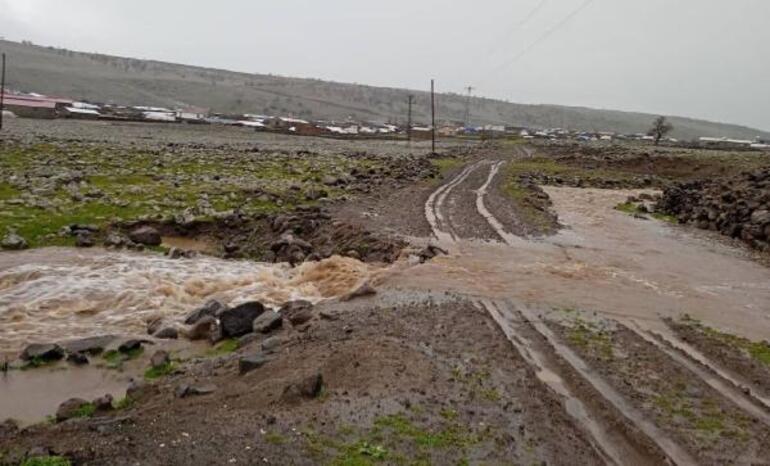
pixel 107 78
pixel 738 207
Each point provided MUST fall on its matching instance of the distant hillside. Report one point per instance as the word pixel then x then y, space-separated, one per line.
pixel 104 78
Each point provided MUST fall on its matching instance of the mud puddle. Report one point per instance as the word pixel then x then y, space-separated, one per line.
pixel 55 294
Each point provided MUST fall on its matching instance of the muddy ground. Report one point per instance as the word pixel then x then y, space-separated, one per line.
pixel 405 374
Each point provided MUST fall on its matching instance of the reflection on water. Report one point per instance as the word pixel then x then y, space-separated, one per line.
pixel 59 293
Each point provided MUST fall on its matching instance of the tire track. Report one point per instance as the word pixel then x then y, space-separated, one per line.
pixel 508 238
pixel 439 225
pixel 717 379
pixel 614 447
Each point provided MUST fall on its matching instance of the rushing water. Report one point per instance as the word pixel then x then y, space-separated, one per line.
pixel 58 293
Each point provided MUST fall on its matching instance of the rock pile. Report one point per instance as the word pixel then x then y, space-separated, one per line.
pixel 738 207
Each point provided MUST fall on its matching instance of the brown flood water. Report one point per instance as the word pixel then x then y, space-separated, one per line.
pixel 609 262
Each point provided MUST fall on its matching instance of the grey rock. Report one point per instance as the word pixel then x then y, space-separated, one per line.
pixel 14 242
pixel 131 345
pixel 84 240
pixel 239 320
pixel 115 240
pixel 308 388
pixel 45 351
pixel 760 217
pixel 70 408
pixel 202 329
pixel 185 390
pixel 79 359
pixel 103 403
pixel 251 362
pixel 167 333
pixel 211 308
pixel 272 344
pixel 90 345
pixel 267 322
pixel 363 290
pixel 139 390
pixel 297 312
pixel 160 358
pixel 146 235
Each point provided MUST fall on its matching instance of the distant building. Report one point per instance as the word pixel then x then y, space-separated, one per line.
pixel 34 106
pixel 80 113
pixel 192 114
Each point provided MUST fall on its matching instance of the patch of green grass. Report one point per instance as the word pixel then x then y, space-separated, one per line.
pixel 47 461
pixel 224 347
pixel 115 358
pixel 275 438
pixel 153 373
pixel 629 208
pixel 446 164
pixel 588 336
pixel 664 217
pixel 38 362
pixel 124 403
pixel 7 191
pixel 757 350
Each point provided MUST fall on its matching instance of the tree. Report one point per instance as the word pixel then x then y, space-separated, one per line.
pixel 660 128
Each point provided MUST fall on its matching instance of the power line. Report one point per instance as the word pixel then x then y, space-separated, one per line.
pixel 540 39
pixel 534 11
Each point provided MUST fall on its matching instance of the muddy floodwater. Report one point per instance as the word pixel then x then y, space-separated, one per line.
pixel 54 294
pixel 607 261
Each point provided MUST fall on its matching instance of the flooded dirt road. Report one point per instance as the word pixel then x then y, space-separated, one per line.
pixel 607 261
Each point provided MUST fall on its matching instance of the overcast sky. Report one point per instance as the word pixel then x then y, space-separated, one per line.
pixel 700 58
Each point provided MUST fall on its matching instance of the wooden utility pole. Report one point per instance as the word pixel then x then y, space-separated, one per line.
pixel 433 116
pixel 466 120
pixel 409 120
pixel 2 92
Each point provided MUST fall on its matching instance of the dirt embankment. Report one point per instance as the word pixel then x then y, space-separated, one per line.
pixel 738 207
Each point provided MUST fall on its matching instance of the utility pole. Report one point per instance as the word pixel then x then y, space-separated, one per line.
pixel 466 120
pixel 409 120
pixel 2 92
pixel 433 116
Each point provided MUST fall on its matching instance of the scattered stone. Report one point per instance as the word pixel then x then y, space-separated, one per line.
pixel 14 242
pixel 307 388
pixel 297 312
pixel 84 240
pixel 70 408
pixel 90 345
pixel 146 235
pixel 239 320
pixel 167 333
pixel 202 329
pixel 251 362
pixel 131 345
pixel 139 390
pixel 429 252
pixel 267 322
pixel 79 359
pixel 185 390
pixel 270 345
pixel 212 308
pixel 115 240
pixel 160 358
pixel 44 352
pixel 328 315
pixel 8 428
pixel 103 403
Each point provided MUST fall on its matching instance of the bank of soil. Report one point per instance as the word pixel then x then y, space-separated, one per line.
pixel 432 383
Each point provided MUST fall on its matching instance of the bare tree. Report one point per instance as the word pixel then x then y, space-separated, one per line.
pixel 660 128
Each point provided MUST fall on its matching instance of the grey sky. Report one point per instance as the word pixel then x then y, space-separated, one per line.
pixel 700 58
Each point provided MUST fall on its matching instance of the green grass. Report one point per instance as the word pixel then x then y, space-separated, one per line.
pixel 224 347
pixel 124 403
pixel 47 461
pixel 757 350
pixel 446 164
pixel 87 410
pixel 588 336
pixel 153 373
pixel 275 438
pixel 115 358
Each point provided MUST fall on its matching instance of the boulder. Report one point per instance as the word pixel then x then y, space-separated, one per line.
pixel 270 345
pixel 240 319
pixel 267 322
pixel 365 289
pixel 308 388
pixel 139 390
pixel 212 308
pixel 90 345
pixel 146 235
pixel 78 359
pixel 14 242
pixel 167 333
pixel 70 408
pixel 202 329
pixel 115 240
pixel 251 362
pixel 44 351
pixel 84 240
pixel 297 312
pixel 160 358
pixel 132 344
pixel 103 403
